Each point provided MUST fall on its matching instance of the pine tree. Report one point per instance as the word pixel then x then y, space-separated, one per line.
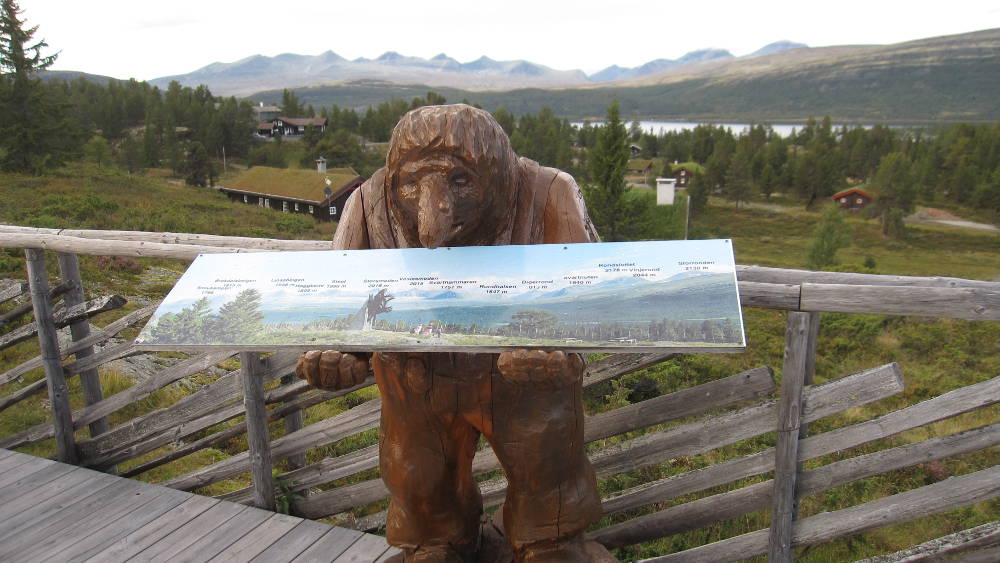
pixel 613 212
pixel 240 319
pixel 895 192
pixel 35 130
pixel 829 237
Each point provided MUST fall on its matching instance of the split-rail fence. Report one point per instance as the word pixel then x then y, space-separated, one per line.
pixel 705 417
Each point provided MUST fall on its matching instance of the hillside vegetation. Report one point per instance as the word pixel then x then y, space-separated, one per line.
pixel 935 355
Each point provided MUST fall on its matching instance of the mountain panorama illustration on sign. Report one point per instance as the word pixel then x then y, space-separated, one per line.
pixel 588 297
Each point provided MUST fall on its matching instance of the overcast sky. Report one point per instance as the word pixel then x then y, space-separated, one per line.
pixel 144 40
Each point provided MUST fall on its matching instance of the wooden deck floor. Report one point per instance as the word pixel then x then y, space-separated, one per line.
pixel 50 511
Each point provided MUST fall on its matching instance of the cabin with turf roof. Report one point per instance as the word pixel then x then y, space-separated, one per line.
pixel 321 193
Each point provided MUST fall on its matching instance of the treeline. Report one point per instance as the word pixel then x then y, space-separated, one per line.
pixel 136 125
pixel 957 164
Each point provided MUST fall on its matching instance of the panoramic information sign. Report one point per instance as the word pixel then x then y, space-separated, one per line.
pixel 657 295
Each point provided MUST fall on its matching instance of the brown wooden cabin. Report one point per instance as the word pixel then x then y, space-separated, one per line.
pixel 295 190
pixel 852 199
pixel 289 126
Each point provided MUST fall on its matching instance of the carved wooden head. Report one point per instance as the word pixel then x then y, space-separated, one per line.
pixel 452 177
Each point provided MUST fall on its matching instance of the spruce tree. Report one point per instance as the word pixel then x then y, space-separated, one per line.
pixel 35 130
pixel 613 212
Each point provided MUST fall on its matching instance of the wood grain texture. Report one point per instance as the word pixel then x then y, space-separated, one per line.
pixel 90 383
pixel 258 439
pixel 970 303
pixel 63 317
pixel 733 504
pixel 902 507
pixel 797 277
pixel 174 238
pixel 48 342
pixel 97 336
pixel 684 440
pixel 959 542
pixel 12 289
pixel 699 399
pixel 786 451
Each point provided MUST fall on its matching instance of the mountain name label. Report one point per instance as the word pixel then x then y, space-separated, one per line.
pixel 653 295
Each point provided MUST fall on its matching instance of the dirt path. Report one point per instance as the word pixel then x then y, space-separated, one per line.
pixel 932 216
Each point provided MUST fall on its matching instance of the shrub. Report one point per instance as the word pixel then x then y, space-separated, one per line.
pixel 121 264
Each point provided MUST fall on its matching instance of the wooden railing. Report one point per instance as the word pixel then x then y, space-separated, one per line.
pixel 705 417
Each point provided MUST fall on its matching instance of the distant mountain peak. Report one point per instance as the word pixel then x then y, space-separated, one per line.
pixel 777 47
pixel 389 56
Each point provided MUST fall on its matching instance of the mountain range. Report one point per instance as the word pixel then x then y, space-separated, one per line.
pixel 258 72
pixel 941 79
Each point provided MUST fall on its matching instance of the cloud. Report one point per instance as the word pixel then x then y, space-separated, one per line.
pixel 165 21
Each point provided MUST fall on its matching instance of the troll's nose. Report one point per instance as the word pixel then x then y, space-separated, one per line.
pixel 435 218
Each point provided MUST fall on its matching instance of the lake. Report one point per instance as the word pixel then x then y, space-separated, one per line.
pixel 659 127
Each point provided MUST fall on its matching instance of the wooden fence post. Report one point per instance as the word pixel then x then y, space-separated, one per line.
pixel 90 382
pixel 252 375
pixel 293 422
pixel 62 416
pixel 786 452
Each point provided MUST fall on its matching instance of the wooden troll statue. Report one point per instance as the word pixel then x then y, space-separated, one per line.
pixel 452 179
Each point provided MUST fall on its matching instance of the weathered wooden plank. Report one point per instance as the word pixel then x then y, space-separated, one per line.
pixel 105 247
pixel 290 545
pixel 31 488
pixel 258 439
pixel 63 317
pixel 724 506
pixel 902 507
pixel 960 542
pixel 971 303
pixel 25 308
pixel 101 524
pixel 20 471
pixel 770 295
pixel 96 337
pixel 345 424
pixel 617 365
pixel 786 458
pixel 56 516
pixel 173 544
pixel 292 422
pixel 721 393
pixel 119 400
pixel 797 277
pixel 275 395
pixel 987 555
pixel 120 351
pixel 90 383
pixel 699 399
pixel 12 289
pixel 250 545
pixel 325 471
pixel 62 418
pixel 175 238
pixel 685 440
pixel 330 546
pixel 127 548
pixel 192 413
pixel 246 523
pixel 102 534
pixel 366 548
